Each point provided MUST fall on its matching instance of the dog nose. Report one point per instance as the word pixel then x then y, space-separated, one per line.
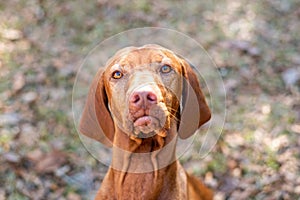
pixel 143 98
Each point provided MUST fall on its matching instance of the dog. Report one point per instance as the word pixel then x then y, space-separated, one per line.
pixel 144 99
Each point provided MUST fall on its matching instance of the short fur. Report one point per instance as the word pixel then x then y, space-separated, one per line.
pixel 109 116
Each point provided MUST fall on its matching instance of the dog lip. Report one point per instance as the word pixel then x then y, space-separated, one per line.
pixel 142 121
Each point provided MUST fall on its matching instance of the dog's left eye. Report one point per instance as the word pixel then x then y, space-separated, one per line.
pixel 117 74
pixel 165 69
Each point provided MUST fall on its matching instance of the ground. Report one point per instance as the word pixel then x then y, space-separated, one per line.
pixel 255 45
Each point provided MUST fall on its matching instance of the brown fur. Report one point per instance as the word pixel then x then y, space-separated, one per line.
pixel 166 178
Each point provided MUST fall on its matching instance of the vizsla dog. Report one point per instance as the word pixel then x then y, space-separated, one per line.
pixel 144 99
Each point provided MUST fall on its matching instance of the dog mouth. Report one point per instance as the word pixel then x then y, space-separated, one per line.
pixel 145 120
pixel 146 125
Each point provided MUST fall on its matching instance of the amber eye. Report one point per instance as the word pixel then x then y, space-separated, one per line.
pixel 117 74
pixel 165 69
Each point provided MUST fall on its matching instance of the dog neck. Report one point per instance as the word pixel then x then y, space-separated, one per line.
pixel 169 180
pixel 139 156
pixel 145 162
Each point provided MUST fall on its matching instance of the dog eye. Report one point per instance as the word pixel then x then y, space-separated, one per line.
pixel 165 69
pixel 117 74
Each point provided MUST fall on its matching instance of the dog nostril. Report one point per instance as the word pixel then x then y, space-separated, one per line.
pixel 151 97
pixel 135 98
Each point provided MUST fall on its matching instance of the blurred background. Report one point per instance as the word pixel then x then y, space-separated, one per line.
pixel 255 44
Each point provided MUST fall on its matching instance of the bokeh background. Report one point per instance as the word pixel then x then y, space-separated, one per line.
pixel 255 44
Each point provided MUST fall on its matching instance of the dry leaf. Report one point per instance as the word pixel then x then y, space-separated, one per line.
pixel 11 34
pixel 18 82
pixel 12 157
pixel 73 196
pixel 9 119
pixel 29 97
pixel 291 76
pixel 35 155
pixel 51 162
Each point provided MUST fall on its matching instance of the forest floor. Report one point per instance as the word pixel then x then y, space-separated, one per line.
pixel 255 45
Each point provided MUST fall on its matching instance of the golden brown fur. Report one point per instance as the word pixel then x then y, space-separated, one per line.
pixel 117 115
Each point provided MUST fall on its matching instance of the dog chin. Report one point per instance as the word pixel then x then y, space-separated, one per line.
pixel 146 125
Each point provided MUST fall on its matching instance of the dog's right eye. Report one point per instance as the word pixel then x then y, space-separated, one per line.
pixel 165 69
pixel 117 74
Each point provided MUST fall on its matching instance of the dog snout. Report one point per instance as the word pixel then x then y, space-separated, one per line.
pixel 144 97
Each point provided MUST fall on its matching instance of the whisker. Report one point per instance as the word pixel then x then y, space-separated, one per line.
pixel 173 115
pixel 171 109
pixel 175 118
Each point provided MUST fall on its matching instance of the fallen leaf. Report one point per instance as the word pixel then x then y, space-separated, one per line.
pixel 220 196
pixel 241 45
pixel 234 140
pixel 296 128
pixel 35 155
pixel 30 184
pixel 2 194
pixel 279 142
pixel 231 163
pixel 9 119
pixel 29 97
pixel 210 180
pixel 228 184
pixel 12 157
pixel 295 58
pixel 231 84
pixel 51 162
pixel 291 76
pixel 62 171
pixel 29 135
pixel 254 51
pixel 297 189
pixel 73 196
pixel 18 82
pixel 11 34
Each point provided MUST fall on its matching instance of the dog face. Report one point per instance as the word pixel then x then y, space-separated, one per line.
pixel 139 92
pixel 144 90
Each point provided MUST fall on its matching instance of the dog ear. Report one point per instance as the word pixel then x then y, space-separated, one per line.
pixel 96 121
pixel 195 110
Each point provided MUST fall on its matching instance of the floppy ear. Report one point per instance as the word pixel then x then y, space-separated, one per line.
pixel 96 121
pixel 195 110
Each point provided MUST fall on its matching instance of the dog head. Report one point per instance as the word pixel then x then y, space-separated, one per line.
pixel 142 91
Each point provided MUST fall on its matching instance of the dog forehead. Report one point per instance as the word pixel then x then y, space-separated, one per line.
pixel 137 56
pixel 142 56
